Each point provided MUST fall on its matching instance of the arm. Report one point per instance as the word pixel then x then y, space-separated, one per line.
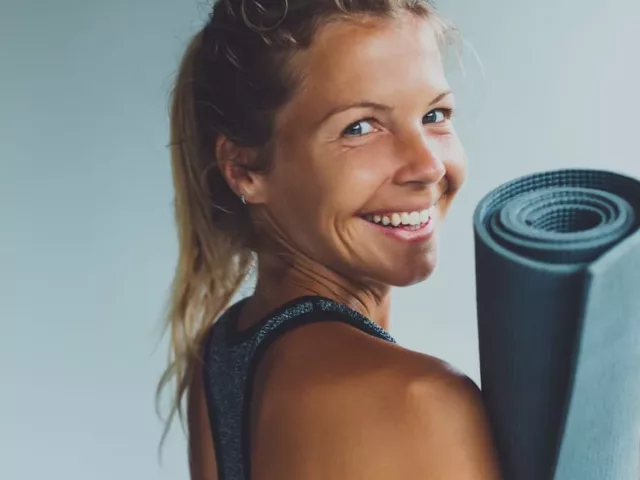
pixel 429 428
pixel 202 459
pixel 455 433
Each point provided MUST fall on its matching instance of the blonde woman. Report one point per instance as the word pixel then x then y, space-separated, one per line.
pixel 315 138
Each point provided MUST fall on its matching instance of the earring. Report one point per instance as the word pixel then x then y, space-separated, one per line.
pixel 243 200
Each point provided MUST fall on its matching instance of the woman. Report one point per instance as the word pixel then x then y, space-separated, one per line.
pixel 315 136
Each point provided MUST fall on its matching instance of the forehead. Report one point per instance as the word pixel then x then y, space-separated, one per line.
pixel 374 60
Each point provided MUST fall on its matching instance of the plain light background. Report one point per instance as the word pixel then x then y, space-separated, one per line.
pixel 87 246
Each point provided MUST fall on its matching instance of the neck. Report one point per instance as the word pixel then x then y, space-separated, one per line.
pixel 281 280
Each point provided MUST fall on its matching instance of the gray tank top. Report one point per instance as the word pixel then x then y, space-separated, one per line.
pixel 231 358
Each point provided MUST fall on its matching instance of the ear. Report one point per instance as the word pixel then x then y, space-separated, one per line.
pixel 233 162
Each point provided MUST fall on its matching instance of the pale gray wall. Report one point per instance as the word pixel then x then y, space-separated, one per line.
pixel 87 245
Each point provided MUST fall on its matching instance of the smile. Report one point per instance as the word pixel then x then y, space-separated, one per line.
pixel 405 220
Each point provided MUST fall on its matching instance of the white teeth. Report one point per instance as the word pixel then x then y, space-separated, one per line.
pixel 404 218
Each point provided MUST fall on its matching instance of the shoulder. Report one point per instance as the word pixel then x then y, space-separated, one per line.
pixel 337 403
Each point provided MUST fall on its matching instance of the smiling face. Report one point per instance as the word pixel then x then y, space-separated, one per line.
pixel 364 147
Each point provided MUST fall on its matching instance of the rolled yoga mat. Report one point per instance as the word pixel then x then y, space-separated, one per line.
pixel 558 302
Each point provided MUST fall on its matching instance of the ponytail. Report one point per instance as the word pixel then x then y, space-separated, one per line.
pixel 213 261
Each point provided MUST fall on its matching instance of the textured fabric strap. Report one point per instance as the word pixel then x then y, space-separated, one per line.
pixel 232 358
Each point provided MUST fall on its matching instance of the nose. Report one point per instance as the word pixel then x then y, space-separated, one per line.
pixel 421 162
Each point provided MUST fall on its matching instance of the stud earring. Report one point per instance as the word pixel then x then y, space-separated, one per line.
pixel 243 200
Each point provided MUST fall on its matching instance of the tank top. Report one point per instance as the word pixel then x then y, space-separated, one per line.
pixel 231 358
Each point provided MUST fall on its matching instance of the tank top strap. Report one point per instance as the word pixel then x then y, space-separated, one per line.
pixel 231 359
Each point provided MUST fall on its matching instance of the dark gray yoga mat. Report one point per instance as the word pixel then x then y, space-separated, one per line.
pixel 558 300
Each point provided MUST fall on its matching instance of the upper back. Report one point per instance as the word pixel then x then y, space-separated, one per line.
pixel 327 400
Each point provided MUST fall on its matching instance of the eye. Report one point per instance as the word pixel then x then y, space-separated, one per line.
pixel 438 115
pixel 358 129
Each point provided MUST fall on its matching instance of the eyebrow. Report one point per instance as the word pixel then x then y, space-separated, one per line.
pixel 374 106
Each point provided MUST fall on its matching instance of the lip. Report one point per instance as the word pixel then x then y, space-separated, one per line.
pixel 408 209
pixel 422 234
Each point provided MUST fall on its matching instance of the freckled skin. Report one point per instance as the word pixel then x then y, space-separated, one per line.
pixel 327 171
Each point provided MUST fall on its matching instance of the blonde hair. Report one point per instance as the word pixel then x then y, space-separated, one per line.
pixel 231 81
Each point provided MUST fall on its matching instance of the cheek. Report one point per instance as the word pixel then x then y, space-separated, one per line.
pixel 343 182
pixel 315 211
pixel 362 177
pixel 305 203
pixel 455 164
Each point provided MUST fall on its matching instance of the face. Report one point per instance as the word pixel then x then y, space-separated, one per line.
pixel 367 161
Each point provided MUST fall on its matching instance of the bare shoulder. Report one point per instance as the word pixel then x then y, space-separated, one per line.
pixel 333 402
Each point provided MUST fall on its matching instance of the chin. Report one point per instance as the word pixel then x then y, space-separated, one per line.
pixel 414 272
pixel 414 278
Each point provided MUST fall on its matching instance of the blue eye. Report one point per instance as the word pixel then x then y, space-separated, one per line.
pixel 358 129
pixel 438 115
